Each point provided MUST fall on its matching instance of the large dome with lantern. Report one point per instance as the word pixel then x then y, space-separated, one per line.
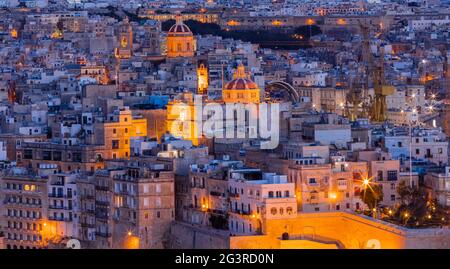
pixel 180 40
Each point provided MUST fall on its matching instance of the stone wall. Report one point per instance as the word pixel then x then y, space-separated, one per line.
pixel 315 230
pixel 186 236
pixel 347 230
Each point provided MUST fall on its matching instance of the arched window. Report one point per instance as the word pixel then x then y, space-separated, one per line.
pixel 289 210
pixel 273 211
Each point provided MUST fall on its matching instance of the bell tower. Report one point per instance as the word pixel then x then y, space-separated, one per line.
pixel 125 38
pixel 202 79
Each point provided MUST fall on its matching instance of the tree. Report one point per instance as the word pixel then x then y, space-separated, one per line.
pixel 415 208
pixel 372 195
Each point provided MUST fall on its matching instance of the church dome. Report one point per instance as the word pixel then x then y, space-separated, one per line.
pixel 180 40
pixel 241 81
pixel 241 89
pixel 179 28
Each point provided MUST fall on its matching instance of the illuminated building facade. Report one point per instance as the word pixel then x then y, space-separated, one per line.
pixel 118 132
pixel 134 206
pixel 108 140
pixel 255 200
pixel 24 210
pixel 180 40
pixel 202 79
pixel 324 186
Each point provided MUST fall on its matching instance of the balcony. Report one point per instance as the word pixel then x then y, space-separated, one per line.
pixel 242 212
pixel 59 207
pixel 102 216
pixel 60 219
pixel 103 234
pixel 87 197
pixel 123 192
pixel 216 193
pixel 102 203
pixel 57 195
pixel 102 188
pixel 87 225
pixel 234 195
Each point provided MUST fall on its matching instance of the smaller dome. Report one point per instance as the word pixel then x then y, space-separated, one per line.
pixel 241 81
pixel 241 84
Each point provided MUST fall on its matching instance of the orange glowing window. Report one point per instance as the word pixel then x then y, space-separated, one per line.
pixel 309 21
pixel 14 33
pixel 233 23
pixel 124 42
pixel 277 23
pixel 341 22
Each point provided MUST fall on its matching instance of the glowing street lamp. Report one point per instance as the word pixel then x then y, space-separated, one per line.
pixel 333 195
pixel 366 182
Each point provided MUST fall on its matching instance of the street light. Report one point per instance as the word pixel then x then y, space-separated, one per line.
pixel 366 182
pixel 333 195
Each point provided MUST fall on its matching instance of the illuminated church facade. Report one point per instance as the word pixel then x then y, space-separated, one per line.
pixel 180 40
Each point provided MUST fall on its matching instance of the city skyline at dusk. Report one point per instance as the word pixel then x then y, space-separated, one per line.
pixel 224 125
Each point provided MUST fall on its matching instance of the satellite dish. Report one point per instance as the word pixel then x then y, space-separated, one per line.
pixel 73 244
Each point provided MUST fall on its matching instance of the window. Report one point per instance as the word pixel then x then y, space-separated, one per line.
pixel 312 181
pixel 273 210
pixel 114 131
pixel 270 194
pixel 115 144
pixel 392 175
pixel 28 154
pixel 380 175
pixel 47 155
pixel 392 186
pixel 289 210
pixel 393 198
